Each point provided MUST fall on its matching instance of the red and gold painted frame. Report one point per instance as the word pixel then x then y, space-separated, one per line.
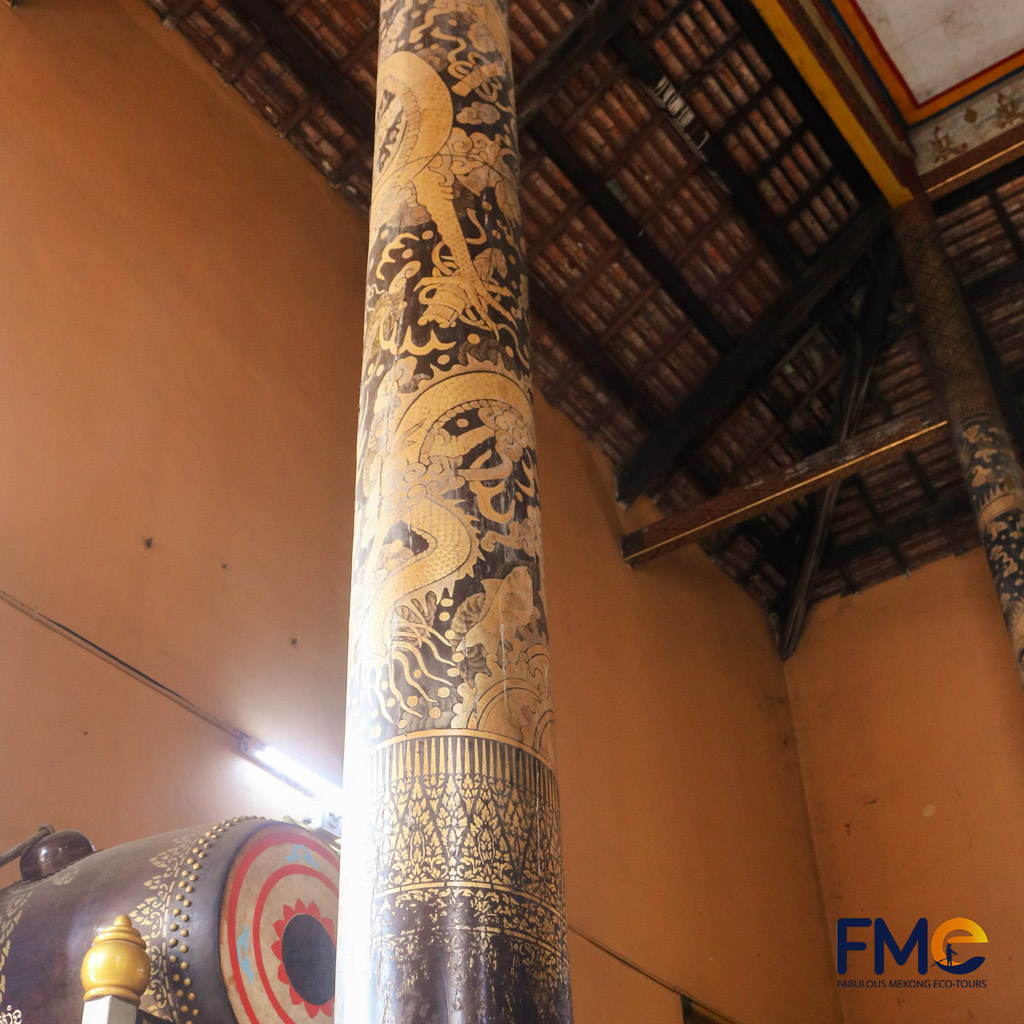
pixel 912 109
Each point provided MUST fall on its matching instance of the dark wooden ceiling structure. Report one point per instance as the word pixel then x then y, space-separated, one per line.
pixel 715 293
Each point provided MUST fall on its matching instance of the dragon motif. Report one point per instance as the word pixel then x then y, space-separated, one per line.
pixel 447 609
pixel 425 160
pixel 449 747
pixel 467 431
pixel 414 132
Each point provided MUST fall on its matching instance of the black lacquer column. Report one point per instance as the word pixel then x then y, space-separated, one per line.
pixel 987 457
pixel 451 862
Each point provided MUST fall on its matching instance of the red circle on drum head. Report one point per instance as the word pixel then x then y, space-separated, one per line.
pixel 282 875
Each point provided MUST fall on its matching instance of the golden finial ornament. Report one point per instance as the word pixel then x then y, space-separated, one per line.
pixel 117 963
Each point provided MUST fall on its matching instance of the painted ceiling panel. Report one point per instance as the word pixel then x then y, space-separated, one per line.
pixel 930 53
pixel 936 44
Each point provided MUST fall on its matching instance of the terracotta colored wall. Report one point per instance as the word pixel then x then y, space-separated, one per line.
pixel 683 816
pixel 910 720
pixel 181 326
pixel 87 746
pixel 180 340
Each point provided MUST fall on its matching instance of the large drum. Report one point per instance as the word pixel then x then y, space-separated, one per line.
pixel 239 920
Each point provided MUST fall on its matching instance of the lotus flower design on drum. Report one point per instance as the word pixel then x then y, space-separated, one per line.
pixel 301 925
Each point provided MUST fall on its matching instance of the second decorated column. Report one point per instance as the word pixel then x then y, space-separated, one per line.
pixel 991 472
pixel 451 862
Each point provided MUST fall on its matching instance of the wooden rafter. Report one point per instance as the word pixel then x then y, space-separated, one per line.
pixel 755 347
pixel 874 317
pixel 783 551
pixel 603 370
pixel 623 224
pixel 307 65
pixel 178 13
pixel 872 448
pixel 601 367
pixel 989 285
pixel 568 52
pixel 979 187
pixel 800 93
pixel 897 531
pixel 687 123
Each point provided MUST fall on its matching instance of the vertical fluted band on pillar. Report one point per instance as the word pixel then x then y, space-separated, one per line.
pixel 451 860
pixel 991 471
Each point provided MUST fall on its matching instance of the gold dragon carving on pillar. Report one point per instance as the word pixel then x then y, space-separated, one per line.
pixel 448 597
pixel 453 869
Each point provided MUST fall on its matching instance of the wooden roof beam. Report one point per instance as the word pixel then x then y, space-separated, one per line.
pixel 874 317
pixel 979 187
pixel 874 447
pixel 829 137
pixel 785 548
pixel 754 348
pixel 601 367
pixel 614 213
pixel 898 531
pixel 308 66
pixel 723 167
pixel 605 372
pixel 568 52
pixel 989 285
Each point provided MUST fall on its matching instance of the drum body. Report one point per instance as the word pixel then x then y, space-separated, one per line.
pixel 238 919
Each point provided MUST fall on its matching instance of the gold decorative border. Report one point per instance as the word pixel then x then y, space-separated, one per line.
pixel 164 919
pixel 13 908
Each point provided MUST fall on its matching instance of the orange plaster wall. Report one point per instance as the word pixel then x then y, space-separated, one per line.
pixel 606 991
pixel 87 746
pixel 910 720
pixel 181 328
pixel 180 336
pixel 684 824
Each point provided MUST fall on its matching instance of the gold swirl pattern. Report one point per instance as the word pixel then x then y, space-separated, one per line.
pixel 448 604
pixel 986 453
pixel 162 921
pixel 454 852
pixel 13 908
pixel 997 495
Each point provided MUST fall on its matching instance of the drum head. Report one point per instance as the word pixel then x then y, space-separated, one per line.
pixel 278 929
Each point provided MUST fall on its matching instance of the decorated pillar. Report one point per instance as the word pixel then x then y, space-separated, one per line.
pixel 451 863
pixel 990 467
